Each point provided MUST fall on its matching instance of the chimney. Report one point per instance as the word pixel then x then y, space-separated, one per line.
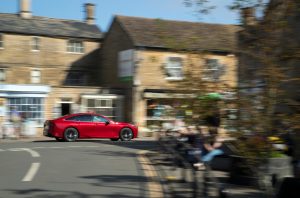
pixel 25 9
pixel 248 17
pixel 89 13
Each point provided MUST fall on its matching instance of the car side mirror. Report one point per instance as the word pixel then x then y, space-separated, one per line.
pixel 106 122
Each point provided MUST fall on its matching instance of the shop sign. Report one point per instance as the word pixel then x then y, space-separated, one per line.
pixel 167 95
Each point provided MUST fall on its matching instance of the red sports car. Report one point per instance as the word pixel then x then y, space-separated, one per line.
pixel 88 125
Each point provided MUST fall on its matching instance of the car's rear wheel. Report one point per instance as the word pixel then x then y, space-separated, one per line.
pixel 114 139
pixel 70 134
pixel 126 134
pixel 59 139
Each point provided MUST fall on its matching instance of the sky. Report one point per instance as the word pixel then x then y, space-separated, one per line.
pixel 106 9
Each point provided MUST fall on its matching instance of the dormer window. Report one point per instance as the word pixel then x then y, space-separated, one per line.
pixel 75 46
pixel 35 43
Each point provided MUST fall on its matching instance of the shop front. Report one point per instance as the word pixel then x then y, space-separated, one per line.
pixel 22 104
pixel 164 108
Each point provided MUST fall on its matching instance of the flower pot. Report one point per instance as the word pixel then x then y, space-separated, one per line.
pixel 263 173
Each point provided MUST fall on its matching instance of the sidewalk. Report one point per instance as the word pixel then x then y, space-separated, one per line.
pixel 178 182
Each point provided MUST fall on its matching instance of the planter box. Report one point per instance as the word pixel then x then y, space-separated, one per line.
pixel 267 173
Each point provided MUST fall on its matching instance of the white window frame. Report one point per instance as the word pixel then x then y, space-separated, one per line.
pixel 35 43
pixel 2 75
pixel 168 66
pixel 75 46
pixel 34 111
pixel 1 41
pixel 103 103
pixel 35 76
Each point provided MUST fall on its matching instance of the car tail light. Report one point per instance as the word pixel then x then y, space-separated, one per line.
pixel 48 125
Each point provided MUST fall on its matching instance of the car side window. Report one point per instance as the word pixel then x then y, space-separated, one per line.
pixel 81 118
pixel 74 118
pixel 99 119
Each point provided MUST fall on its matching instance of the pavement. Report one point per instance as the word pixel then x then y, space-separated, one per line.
pixel 180 182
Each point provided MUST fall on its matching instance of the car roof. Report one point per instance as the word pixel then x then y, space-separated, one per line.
pixel 77 114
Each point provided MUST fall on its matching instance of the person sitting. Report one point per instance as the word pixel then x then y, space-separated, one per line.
pixel 211 147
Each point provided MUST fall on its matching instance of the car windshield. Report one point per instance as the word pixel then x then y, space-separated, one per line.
pixel 99 119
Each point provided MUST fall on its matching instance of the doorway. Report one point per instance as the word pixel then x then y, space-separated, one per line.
pixel 65 108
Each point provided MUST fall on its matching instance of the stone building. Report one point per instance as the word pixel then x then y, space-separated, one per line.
pixel 52 67
pixel 47 66
pixel 148 58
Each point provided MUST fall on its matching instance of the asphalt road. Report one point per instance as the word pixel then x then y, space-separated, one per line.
pixel 82 169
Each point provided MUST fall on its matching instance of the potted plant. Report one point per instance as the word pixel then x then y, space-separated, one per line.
pixel 260 161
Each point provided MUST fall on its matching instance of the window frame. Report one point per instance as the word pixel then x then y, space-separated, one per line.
pixel 168 60
pixel 102 106
pixel 35 43
pixel 30 106
pixel 75 46
pixel 32 76
pixel 1 41
pixel 208 71
pixel 4 75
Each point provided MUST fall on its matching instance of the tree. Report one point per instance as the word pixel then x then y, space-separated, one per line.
pixel 269 77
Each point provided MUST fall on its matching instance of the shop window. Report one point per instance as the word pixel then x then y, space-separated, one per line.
pixel 35 43
pixel 174 68
pixel 35 76
pixel 160 109
pixel 27 108
pixel 106 107
pixel 75 46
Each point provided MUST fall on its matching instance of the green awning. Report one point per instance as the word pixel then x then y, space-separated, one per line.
pixel 211 96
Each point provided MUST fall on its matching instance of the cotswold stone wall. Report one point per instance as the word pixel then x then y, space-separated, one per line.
pixel 53 60
pixel 54 63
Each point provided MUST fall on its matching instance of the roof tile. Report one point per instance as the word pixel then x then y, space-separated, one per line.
pixel 48 27
pixel 147 32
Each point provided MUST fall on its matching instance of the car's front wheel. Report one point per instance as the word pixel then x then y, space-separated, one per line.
pixel 126 134
pixel 71 134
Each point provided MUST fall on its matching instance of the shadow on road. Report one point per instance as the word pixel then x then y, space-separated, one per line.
pixel 134 144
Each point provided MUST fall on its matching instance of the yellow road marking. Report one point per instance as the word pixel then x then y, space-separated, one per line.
pixel 154 186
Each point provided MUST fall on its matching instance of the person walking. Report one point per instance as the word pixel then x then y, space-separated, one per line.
pixel 16 120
